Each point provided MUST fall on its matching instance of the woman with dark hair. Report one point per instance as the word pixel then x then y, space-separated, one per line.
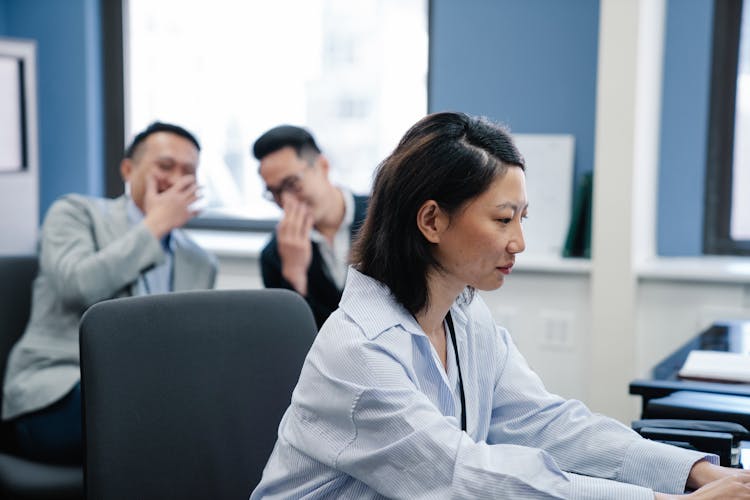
pixel 412 391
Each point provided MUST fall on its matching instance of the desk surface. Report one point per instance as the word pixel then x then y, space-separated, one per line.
pixel 729 336
pixel 733 336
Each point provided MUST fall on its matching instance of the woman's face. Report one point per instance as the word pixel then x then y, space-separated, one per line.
pixel 479 244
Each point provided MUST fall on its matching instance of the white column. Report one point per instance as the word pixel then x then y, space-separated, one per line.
pixel 631 34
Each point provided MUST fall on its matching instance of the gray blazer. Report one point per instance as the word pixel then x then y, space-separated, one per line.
pixel 89 253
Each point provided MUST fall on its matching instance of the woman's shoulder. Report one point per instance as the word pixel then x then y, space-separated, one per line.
pixel 339 328
pixel 345 351
pixel 345 332
pixel 341 336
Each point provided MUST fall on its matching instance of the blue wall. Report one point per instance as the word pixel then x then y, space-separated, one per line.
pixel 684 127
pixel 2 16
pixel 530 64
pixel 69 90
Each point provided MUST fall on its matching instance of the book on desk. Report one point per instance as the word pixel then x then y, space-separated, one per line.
pixel 719 396
pixel 719 366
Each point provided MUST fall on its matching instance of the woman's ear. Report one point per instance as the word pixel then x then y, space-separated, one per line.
pixel 431 221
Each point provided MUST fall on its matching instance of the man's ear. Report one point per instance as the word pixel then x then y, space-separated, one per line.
pixel 126 168
pixel 323 162
pixel 431 221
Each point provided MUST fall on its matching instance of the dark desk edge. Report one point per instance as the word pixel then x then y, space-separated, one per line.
pixel 649 389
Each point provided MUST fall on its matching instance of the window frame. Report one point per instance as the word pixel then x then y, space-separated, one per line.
pixel 113 91
pixel 113 66
pixel 717 238
pixel 112 19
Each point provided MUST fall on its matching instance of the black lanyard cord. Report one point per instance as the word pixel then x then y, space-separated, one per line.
pixel 449 320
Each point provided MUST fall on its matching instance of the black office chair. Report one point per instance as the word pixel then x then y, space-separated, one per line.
pixel 21 478
pixel 183 393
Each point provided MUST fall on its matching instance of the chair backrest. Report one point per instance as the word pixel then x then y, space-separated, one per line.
pixel 183 393
pixel 21 477
pixel 17 275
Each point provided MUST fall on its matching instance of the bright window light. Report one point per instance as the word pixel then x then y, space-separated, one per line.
pixel 740 221
pixel 354 73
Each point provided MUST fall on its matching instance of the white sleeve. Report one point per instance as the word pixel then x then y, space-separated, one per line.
pixel 524 413
pixel 357 411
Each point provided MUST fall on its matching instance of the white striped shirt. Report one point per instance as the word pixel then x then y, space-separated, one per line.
pixel 375 415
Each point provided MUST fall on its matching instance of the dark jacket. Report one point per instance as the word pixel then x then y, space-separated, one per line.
pixel 322 294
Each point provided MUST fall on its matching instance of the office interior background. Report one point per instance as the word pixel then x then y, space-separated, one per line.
pixel 629 80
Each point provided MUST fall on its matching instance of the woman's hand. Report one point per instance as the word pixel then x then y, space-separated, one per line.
pixel 704 472
pixel 713 482
pixel 726 488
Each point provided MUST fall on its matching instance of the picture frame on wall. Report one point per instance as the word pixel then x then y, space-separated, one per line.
pixel 19 147
pixel 13 127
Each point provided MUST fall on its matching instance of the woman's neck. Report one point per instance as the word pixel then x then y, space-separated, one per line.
pixel 432 325
pixel 442 294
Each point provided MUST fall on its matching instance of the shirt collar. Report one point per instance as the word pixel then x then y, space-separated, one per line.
pixel 372 306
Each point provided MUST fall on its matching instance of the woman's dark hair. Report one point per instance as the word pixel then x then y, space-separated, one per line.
pixel 447 157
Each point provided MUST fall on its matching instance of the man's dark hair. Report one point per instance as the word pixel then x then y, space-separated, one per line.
pixel 159 127
pixel 284 136
pixel 448 157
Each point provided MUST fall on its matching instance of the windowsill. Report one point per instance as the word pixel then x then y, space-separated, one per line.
pixel 708 268
pixel 235 244
pixel 245 244
pixel 717 269
pixel 552 264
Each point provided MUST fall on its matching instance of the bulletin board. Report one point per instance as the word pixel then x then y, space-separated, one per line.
pixel 549 186
pixel 13 137
pixel 19 155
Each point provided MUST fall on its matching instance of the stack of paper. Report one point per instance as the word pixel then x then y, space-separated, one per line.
pixel 717 365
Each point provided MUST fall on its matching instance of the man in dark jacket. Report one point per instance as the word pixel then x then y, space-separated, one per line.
pixel 309 251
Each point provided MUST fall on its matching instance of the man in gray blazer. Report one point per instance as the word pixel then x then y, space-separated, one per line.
pixel 94 249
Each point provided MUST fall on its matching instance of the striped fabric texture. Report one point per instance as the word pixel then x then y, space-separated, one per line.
pixel 375 415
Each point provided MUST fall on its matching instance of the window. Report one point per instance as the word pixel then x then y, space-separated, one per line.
pixel 354 73
pixel 727 220
pixel 741 161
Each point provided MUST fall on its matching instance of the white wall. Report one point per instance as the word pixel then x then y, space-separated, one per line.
pixel 19 191
pixel 671 311
pixel 239 273
pixel 547 314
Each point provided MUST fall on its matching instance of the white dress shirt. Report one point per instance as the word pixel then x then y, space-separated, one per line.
pixel 336 255
pixel 376 415
pixel 158 279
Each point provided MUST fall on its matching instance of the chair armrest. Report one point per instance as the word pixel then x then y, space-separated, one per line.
pixel 717 443
pixel 691 405
pixel 720 438
pixel 739 432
